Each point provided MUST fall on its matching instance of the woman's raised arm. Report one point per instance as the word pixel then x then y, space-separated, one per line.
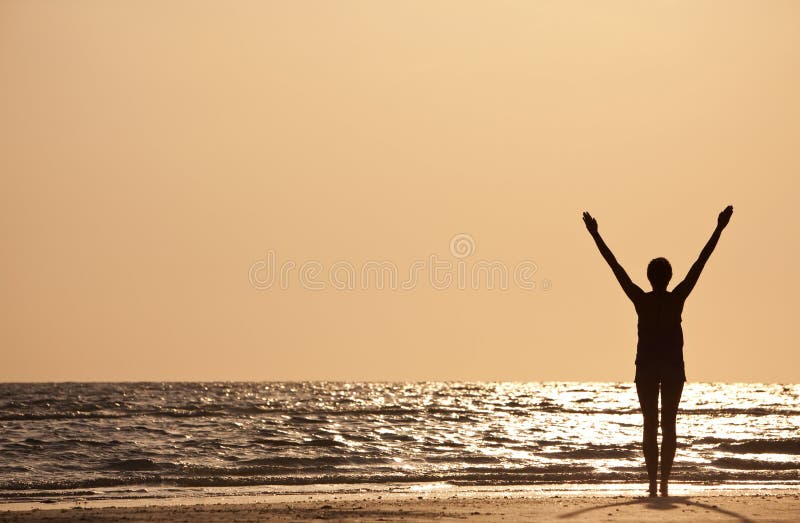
pixel 632 290
pixel 688 283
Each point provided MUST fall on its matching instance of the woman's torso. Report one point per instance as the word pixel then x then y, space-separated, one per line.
pixel 659 326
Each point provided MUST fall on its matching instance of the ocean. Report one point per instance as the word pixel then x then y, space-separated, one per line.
pixel 116 440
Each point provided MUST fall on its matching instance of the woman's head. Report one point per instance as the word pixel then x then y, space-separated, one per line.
pixel 659 272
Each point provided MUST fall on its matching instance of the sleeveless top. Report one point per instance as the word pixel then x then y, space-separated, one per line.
pixel 660 333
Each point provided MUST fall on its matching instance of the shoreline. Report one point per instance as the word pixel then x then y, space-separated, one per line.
pixel 439 503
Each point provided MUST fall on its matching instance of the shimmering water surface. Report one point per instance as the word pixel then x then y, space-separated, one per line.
pixel 120 439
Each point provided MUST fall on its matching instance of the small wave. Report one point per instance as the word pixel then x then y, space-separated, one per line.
pixel 499 439
pixel 592 453
pixel 754 464
pixel 392 436
pixel 137 465
pixel 323 442
pixel 784 446
pixel 307 419
pixel 322 461
pixel 276 442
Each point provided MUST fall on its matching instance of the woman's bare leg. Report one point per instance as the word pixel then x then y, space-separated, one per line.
pixel 670 398
pixel 648 401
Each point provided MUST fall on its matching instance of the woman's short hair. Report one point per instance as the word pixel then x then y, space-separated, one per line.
pixel 659 272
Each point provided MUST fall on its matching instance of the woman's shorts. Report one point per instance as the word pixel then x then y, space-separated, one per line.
pixel 660 371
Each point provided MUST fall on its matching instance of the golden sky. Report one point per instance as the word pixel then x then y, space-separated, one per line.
pixel 152 152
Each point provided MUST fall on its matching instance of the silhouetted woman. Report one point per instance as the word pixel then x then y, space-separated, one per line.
pixel 659 352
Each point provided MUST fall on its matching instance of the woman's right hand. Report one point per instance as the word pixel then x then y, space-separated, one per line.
pixel 725 217
pixel 591 223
